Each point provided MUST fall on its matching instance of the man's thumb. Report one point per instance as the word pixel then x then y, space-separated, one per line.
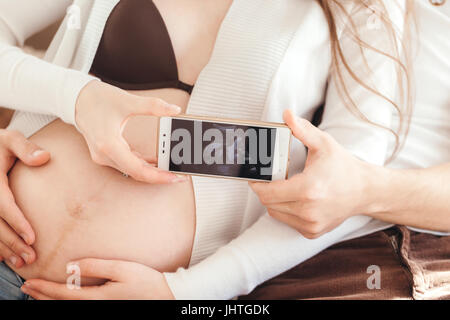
pixel 303 130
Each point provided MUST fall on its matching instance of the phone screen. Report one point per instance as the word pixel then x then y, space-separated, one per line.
pixel 222 149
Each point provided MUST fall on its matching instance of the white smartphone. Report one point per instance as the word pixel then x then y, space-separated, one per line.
pixel 226 148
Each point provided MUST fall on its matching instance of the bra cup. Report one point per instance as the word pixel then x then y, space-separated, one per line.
pixel 135 48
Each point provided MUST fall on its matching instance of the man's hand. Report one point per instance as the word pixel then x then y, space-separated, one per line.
pixel 16 234
pixel 329 190
pixel 127 280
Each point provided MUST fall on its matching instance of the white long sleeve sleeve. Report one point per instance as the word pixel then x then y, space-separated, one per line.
pixel 268 248
pixel 26 82
pixel 263 251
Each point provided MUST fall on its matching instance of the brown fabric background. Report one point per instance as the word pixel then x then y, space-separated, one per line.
pixel 427 259
pixel 413 266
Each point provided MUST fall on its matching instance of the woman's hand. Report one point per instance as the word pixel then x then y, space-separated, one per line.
pixel 101 114
pixel 331 188
pixel 127 280
pixel 16 234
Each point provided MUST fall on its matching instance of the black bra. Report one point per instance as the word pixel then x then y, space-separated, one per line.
pixel 136 52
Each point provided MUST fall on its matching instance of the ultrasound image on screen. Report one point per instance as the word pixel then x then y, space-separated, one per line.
pixel 222 149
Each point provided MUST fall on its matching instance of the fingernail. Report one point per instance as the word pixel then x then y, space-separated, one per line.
pixel 175 108
pixel 25 256
pixel 13 260
pixel 27 285
pixel 24 237
pixel 180 178
pixel 37 153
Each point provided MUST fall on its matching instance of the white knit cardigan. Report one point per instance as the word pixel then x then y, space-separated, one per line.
pixel 270 55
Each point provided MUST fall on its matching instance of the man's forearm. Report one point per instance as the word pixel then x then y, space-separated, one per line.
pixel 415 197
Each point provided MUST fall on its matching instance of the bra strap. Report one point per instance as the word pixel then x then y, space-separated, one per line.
pixel 184 86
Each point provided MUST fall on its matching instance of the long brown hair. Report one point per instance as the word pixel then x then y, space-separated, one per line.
pixel 399 53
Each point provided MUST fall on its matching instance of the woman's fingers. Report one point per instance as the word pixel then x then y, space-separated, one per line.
pixel 16 244
pixel 150 159
pixel 16 234
pixel 102 127
pixel 113 270
pixel 137 168
pixel 28 152
pixel 9 255
pixel 51 290
pixel 35 294
pixel 12 215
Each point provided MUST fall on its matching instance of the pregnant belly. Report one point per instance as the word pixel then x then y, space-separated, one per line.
pixel 79 209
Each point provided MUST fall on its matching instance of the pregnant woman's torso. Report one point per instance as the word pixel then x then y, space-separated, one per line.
pixel 79 209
